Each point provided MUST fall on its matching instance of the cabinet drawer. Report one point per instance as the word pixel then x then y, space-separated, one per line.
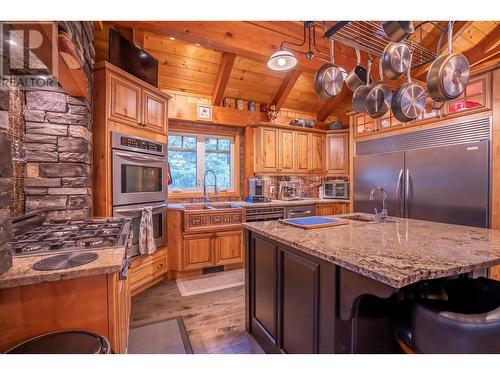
pixel 141 275
pixel 159 266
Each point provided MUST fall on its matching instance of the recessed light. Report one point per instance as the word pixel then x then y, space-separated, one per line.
pixel 197 44
pixel 12 43
pixel 171 37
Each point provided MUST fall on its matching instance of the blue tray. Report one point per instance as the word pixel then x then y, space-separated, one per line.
pixel 313 220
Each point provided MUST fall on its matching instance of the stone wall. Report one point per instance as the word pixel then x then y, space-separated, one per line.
pixel 58 142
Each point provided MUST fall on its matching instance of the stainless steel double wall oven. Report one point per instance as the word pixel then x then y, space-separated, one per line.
pixel 140 180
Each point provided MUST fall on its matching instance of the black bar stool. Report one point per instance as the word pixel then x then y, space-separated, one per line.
pixel 64 342
pixel 467 322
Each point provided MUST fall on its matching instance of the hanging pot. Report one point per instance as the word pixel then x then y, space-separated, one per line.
pixel 359 96
pixel 379 97
pixel 329 79
pixel 396 31
pixel 449 74
pixel 408 102
pixel 396 60
pixel 357 76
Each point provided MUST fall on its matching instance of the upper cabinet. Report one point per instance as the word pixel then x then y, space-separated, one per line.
pixel 475 98
pixel 289 151
pixel 337 153
pixel 135 103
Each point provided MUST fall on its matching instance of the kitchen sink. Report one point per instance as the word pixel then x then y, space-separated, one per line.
pixel 209 206
pixel 364 218
pixel 205 217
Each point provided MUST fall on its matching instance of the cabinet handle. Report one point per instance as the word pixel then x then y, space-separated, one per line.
pixel 160 266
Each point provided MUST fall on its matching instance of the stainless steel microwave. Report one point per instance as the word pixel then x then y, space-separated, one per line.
pixel 336 189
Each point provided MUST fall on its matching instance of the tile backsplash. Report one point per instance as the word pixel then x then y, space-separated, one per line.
pixel 309 185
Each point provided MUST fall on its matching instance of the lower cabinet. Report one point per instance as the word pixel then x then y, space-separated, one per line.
pixel 147 270
pixel 211 249
pixel 332 209
pixel 290 309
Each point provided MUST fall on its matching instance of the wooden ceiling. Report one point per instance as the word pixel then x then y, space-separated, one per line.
pixel 213 59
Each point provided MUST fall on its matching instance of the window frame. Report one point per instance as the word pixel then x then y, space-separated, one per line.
pixel 234 189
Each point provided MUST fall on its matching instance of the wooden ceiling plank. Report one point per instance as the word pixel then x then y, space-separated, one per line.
pixel 330 105
pixel 285 88
pixel 222 78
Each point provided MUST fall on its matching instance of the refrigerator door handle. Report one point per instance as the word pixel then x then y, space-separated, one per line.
pixel 398 193
pixel 407 196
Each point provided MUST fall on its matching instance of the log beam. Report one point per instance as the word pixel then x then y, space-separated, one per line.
pixel 222 79
pixel 330 105
pixel 285 88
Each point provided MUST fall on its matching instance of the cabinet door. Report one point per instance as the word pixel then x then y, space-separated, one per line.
pixel 325 209
pixel 269 150
pixel 300 305
pixel 303 152
pixel 264 312
pixel 125 101
pixel 337 153
pixel 318 153
pixel 286 151
pixel 197 251
pixel 155 112
pixel 229 247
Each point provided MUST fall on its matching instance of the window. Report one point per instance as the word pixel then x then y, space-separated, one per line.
pixel 191 155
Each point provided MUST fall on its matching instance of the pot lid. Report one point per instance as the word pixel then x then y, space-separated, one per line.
pixel 63 342
pixel 412 101
pixel 455 73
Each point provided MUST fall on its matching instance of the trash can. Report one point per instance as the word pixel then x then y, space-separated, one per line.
pixel 64 342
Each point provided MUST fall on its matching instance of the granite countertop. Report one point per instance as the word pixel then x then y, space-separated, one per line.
pixel 110 260
pixel 397 253
pixel 272 203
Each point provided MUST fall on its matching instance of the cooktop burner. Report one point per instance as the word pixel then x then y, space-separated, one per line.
pixel 70 235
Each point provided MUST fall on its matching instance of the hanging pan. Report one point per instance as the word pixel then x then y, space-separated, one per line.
pixel 329 79
pixel 396 60
pixel 357 76
pixel 359 96
pixel 379 97
pixel 449 74
pixel 408 102
pixel 397 30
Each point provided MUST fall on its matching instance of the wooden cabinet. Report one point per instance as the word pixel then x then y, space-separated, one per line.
pixel 228 247
pixel 197 251
pixel 286 151
pixel 147 270
pixel 269 150
pixel 495 273
pixel 155 112
pixel 125 100
pixel 119 305
pixel 289 151
pixel 337 153
pixel 317 152
pixel 325 209
pixel 302 152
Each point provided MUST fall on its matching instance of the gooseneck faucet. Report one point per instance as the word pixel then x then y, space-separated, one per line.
pixel 382 215
pixel 205 194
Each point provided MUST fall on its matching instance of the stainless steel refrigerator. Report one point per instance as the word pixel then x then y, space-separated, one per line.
pixel 440 174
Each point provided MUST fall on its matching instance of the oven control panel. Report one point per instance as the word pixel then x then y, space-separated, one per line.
pixel 141 144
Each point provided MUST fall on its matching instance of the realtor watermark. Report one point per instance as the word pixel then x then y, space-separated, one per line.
pixel 29 55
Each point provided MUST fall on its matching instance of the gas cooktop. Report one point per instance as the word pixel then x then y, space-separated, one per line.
pixel 70 235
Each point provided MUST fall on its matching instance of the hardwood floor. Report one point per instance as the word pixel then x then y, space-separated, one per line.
pixel 215 321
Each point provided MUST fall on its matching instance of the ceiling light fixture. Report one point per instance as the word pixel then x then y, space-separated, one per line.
pixel 171 37
pixel 284 59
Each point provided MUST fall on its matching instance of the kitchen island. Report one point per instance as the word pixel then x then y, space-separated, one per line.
pixel 332 290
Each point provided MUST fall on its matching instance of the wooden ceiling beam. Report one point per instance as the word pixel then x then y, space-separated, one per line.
pixel 222 79
pixel 241 38
pixel 285 88
pixel 330 105
pixel 487 49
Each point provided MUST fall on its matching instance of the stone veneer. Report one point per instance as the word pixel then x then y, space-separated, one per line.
pixel 58 142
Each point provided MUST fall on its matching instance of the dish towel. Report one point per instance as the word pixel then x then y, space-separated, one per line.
pixel 146 235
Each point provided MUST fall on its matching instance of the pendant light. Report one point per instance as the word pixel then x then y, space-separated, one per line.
pixel 282 61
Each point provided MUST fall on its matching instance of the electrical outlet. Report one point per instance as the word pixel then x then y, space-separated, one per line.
pixel 272 189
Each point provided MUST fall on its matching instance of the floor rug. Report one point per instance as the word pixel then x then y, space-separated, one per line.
pixel 208 283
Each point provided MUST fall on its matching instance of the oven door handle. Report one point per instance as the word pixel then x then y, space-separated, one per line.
pixel 140 158
pixel 131 210
pixel 303 212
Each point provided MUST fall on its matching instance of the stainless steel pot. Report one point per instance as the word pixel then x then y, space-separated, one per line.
pixel 359 96
pixel 396 31
pixel 408 102
pixel 378 100
pixel 329 79
pixel 396 60
pixel 449 74
pixel 357 76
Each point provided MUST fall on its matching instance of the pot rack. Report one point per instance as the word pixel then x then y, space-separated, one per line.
pixel 368 36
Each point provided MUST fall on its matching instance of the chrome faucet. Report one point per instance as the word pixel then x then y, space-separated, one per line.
pixel 382 215
pixel 216 189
